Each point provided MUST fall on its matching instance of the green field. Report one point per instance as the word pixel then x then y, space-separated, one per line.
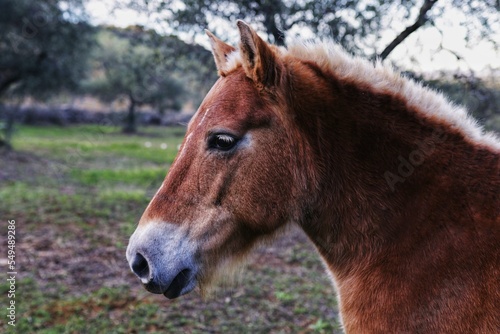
pixel 76 194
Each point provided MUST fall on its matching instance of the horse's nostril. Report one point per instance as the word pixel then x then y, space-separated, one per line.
pixel 141 268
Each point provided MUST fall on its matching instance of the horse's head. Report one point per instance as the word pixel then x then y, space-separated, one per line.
pixel 235 179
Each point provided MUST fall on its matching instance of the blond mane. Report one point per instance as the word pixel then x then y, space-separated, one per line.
pixel 381 78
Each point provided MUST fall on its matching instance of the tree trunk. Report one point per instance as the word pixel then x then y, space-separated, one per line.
pixel 270 10
pixel 130 121
pixel 272 28
pixel 7 129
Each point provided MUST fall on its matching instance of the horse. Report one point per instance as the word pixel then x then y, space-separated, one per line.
pixel 397 188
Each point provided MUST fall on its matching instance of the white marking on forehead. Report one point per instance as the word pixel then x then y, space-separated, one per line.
pixel 179 157
pixel 204 116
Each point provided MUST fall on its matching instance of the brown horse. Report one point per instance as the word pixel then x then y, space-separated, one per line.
pixel 398 189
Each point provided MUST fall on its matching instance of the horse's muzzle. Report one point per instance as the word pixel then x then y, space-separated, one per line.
pixel 163 264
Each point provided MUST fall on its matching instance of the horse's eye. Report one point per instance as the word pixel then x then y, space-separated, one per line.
pixel 222 142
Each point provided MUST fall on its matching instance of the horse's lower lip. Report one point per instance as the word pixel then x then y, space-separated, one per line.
pixel 178 284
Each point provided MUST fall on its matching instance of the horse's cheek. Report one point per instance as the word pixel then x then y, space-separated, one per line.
pixel 260 197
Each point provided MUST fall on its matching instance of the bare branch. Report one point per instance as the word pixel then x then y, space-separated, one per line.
pixel 421 20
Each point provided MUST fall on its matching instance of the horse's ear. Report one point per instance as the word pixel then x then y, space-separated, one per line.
pixel 259 60
pixel 220 51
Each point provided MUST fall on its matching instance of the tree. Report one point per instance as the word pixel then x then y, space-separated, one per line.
pixel 357 25
pixel 43 48
pixel 369 28
pixel 142 66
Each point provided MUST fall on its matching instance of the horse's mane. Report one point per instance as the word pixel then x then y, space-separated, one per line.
pixel 381 78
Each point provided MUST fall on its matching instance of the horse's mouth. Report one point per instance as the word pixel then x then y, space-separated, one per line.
pixel 183 283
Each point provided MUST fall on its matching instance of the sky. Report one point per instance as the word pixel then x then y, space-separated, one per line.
pixel 448 32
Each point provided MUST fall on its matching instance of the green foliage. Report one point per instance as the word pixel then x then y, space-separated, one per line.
pixel 322 326
pixel 131 64
pixel 43 48
pixel 146 68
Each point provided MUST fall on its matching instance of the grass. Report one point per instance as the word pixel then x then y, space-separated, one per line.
pixel 76 194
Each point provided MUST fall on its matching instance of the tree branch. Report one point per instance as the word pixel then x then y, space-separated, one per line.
pixel 421 19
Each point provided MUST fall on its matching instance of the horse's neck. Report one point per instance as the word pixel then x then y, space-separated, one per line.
pixel 389 176
pixel 404 202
